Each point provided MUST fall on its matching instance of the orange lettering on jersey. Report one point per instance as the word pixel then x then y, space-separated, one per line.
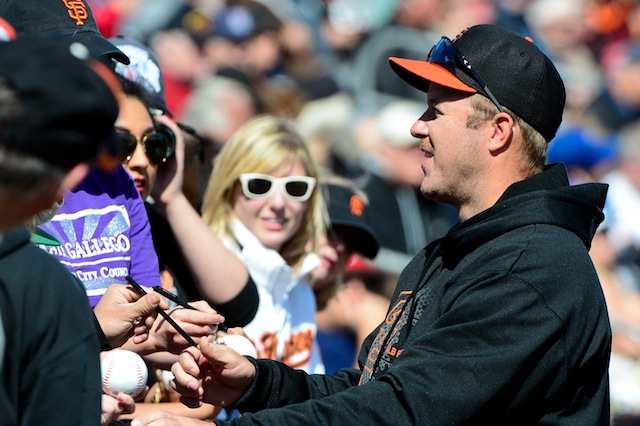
pixel 373 354
pixel 394 352
pixel 269 346
pixel 77 11
pixel 297 350
pixel 395 311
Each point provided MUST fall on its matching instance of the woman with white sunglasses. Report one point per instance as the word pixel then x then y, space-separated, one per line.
pixel 247 251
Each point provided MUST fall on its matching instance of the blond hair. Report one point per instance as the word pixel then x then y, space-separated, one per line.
pixel 260 146
pixel 534 144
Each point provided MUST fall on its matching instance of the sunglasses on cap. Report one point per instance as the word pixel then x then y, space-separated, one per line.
pixel 296 188
pixel 158 143
pixel 444 52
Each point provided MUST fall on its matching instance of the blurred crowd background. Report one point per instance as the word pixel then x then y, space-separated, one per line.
pixel 323 64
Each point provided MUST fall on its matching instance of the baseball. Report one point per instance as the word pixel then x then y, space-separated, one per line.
pixel 124 371
pixel 239 343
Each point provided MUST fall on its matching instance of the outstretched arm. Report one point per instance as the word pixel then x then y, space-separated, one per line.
pixel 218 272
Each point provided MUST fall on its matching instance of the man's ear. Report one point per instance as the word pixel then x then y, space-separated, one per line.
pixel 73 178
pixel 503 128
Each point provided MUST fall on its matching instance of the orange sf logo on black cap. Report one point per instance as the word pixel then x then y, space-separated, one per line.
pixel 77 11
pixel 356 205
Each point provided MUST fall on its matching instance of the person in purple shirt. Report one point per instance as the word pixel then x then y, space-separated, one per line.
pixel 104 233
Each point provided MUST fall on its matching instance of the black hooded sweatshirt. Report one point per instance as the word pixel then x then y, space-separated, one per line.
pixel 50 374
pixel 501 322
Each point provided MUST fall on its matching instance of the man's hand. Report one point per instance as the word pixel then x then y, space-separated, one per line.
pixel 215 374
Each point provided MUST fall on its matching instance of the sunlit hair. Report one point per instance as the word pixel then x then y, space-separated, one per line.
pixel 260 146
pixel 534 144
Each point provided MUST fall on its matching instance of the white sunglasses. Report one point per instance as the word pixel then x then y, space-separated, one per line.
pixel 296 188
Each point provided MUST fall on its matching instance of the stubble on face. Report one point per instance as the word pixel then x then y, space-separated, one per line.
pixel 451 167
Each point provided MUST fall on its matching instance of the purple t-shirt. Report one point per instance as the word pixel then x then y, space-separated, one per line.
pixel 104 233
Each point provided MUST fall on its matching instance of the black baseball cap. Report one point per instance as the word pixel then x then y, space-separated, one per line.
pixel 348 209
pixel 68 102
pixel 520 76
pixel 72 19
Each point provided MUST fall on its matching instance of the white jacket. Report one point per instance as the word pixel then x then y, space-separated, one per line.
pixel 284 326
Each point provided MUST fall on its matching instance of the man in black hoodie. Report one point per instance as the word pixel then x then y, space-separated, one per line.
pixel 503 320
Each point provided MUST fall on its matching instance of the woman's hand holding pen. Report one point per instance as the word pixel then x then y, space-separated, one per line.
pixel 195 320
pixel 123 313
pixel 198 322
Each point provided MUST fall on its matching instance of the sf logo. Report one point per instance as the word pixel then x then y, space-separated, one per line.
pixel 77 11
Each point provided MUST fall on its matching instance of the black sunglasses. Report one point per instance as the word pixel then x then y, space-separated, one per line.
pixel 444 52
pixel 158 143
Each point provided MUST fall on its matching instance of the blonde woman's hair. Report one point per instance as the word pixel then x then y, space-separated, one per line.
pixel 534 144
pixel 260 146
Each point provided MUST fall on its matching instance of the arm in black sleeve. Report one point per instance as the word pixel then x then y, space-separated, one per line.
pixel 277 385
pixel 240 310
pixel 104 342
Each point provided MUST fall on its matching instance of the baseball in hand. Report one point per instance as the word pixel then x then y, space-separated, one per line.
pixel 124 371
pixel 238 343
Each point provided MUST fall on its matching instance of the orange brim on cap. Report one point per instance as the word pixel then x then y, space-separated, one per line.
pixel 420 73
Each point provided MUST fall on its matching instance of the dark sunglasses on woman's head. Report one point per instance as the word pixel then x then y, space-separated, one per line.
pixel 158 143
pixel 444 52
pixel 296 188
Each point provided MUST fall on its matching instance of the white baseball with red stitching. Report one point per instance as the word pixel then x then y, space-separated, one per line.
pixel 124 371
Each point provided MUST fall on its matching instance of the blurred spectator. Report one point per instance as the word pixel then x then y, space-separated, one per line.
pixel 147 18
pixel 459 14
pixel 421 15
pixel 613 23
pixel 623 303
pixel 346 24
pixel 358 307
pixel 110 14
pixel 622 207
pixel 181 63
pixel 511 14
pixel 373 82
pixel 326 124
pixel 348 234
pixel 217 107
pixel 554 31
pixel 619 102
pixel 587 155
